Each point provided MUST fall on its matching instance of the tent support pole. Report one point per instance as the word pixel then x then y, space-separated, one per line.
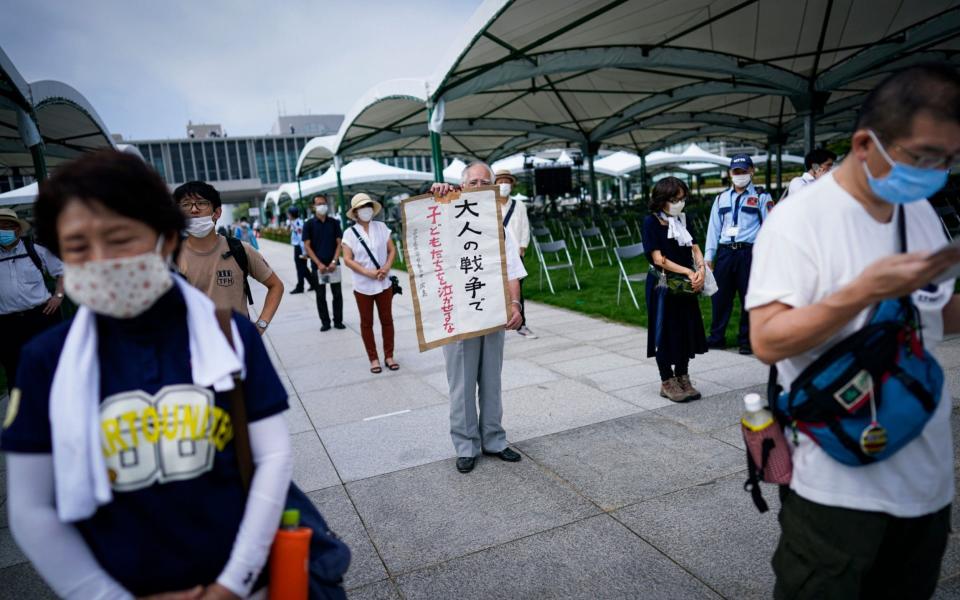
pixel 769 173
pixel 809 132
pixel 779 170
pixel 643 177
pixel 337 165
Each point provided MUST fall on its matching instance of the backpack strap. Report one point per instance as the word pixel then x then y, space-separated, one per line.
pixel 506 220
pixel 240 256
pixel 238 408
pixel 376 263
pixel 32 253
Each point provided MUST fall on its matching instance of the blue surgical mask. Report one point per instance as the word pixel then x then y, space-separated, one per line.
pixel 7 237
pixel 904 183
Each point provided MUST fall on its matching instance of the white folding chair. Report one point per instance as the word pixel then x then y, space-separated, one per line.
pixel 626 253
pixel 555 248
pixel 591 239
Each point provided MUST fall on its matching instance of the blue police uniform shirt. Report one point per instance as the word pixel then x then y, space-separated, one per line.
pixel 745 211
pixel 177 494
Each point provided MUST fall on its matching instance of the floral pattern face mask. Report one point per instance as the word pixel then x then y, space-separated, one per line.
pixel 119 287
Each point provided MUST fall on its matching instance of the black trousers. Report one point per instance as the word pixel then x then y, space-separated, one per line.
pixel 732 271
pixel 827 552
pixel 18 329
pixel 302 273
pixel 321 290
pixel 668 371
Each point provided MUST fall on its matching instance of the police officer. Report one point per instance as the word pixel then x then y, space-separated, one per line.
pixel 735 220
pixel 26 306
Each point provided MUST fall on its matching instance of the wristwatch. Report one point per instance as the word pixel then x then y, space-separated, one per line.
pixel 262 324
pixel 59 295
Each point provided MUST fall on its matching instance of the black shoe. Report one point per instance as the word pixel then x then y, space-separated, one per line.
pixel 339 326
pixel 325 327
pixel 716 345
pixel 465 464
pixel 506 454
pixel 746 350
pixel 313 289
pixel 296 291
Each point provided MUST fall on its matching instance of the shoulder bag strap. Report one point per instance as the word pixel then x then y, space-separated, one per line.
pixel 376 263
pixel 238 409
pixel 506 220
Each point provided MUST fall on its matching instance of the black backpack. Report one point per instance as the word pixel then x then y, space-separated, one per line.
pixel 239 254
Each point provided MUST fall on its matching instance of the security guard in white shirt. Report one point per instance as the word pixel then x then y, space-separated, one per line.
pixel 735 220
pixel 26 305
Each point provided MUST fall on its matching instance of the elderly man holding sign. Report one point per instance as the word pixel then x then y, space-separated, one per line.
pixel 465 269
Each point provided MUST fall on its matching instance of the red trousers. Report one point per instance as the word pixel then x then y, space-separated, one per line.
pixel 384 304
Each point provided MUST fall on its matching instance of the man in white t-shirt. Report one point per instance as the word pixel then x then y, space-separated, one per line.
pixel 817 163
pixel 474 366
pixel 879 529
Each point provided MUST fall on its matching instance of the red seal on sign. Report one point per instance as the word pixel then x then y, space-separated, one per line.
pixel 753 201
pixel 770 205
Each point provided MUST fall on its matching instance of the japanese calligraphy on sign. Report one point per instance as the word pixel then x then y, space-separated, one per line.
pixel 455 257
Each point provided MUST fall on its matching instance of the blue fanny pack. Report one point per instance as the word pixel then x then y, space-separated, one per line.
pixel 872 393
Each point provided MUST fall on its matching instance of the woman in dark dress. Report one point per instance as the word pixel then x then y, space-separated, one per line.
pixel 677 271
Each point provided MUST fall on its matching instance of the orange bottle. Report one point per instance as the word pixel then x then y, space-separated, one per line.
pixel 290 559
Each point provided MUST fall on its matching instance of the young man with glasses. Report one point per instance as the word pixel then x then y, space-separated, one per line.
pixel 214 264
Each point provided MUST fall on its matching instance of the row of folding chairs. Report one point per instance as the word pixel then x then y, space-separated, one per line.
pixel 562 261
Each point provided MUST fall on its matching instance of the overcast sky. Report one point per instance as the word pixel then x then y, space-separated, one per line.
pixel 149 66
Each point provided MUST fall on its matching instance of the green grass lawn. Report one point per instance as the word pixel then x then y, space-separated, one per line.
pixel 598 293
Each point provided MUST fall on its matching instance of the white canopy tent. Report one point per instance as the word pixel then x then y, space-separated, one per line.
pixel 643 75
pixel 373 176
pixel 516 163
pixel 28 193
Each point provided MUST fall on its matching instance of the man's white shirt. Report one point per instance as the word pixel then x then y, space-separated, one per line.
pixel 808 249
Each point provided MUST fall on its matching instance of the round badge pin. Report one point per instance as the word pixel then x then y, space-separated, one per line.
pixel 873 440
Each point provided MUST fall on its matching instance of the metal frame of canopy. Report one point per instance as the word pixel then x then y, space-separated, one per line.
pixel 644 75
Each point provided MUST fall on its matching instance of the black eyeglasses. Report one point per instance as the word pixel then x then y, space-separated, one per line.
pixel 925 161
pixel 190 204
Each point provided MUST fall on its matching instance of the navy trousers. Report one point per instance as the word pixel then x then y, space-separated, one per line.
pixel 732 271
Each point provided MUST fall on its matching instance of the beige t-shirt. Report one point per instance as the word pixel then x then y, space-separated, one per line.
pixel 221 278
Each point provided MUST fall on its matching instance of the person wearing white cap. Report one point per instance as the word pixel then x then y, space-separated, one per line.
pixel 516 219
pixel 369 252
pixel 474 365
pixel 26 305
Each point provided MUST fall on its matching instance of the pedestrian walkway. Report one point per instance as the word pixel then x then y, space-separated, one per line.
pixel 620 493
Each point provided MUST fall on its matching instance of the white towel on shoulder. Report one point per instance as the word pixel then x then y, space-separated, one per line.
pixel 677 229
pixel 80 471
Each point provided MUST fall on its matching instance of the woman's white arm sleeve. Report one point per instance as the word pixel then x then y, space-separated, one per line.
pixel 273 458
pixel 55 548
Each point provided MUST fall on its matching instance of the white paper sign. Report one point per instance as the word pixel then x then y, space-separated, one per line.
pixel 454 252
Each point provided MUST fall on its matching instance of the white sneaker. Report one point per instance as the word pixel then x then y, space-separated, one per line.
pixel 525 332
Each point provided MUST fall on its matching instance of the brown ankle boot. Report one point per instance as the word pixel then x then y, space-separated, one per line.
pixel 687 387
pixel 671 390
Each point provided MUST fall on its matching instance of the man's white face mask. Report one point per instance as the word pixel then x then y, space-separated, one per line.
pixel 321 209
pixel 742 181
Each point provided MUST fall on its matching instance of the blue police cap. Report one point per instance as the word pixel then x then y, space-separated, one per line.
pixel 741 161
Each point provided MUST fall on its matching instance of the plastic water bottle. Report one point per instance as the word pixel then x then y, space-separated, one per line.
pixel 290 559
pixel 765 441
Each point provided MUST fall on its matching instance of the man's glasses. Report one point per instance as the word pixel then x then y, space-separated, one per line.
pixel 191 204
pixel 926 161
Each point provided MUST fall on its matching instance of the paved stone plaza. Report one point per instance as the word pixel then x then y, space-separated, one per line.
pixel 620 493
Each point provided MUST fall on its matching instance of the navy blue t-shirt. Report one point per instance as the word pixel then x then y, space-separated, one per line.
pixel 322 237
pixel 177 495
